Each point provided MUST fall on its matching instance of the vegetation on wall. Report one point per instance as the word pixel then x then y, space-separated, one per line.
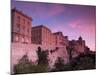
pixel 26 66
pixel 82 62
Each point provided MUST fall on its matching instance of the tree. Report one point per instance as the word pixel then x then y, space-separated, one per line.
pixel 84 62
pixel 59 64
pixel 42 60
pixel 26 66
pixel 42 56
pixel 23 66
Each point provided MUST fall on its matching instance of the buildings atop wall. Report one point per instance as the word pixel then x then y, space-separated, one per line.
pixel 78 46
pixel 43 35
pixel 23 32
pixel 60 39
pixel 21 26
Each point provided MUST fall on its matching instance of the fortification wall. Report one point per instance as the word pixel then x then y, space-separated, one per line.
pixel 19 49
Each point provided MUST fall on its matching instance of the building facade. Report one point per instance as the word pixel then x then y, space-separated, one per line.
pixel 21 27
pixel 42 35
pixel 77 46
pixel 60 40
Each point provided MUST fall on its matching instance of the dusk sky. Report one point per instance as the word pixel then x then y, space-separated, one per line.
pixel 72 20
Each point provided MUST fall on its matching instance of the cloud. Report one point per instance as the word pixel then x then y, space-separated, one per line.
pixel 55 10
pixel 48 10
pixel 85 26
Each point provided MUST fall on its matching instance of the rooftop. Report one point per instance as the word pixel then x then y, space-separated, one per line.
pixel 41 26
pixel 20 12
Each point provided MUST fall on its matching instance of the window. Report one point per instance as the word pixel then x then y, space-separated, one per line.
pixel 18 27
pixel 23 28
pixel 23 21
pixel 28 30
pixel 18 19
pixel 28 23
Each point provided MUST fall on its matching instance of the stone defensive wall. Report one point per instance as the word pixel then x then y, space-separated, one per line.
pixel 19 49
